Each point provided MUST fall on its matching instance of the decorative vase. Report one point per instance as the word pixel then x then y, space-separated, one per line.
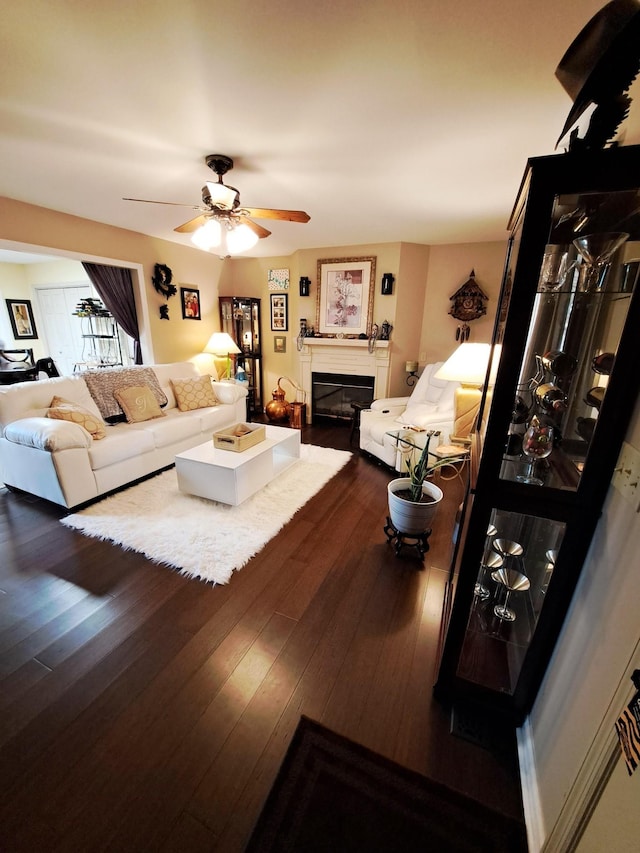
pixel 278 410
pixel 408 516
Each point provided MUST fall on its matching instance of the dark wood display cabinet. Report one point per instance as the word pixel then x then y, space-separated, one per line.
pixel 566 360
pixel 240 318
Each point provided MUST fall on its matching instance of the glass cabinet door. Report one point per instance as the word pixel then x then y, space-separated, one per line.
pixel 582 299
pixel 560 390
pixel 518 561
pixel 240 318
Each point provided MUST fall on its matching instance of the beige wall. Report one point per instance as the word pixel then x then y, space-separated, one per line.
pixel 449 268
pixel 25 227
pixel 418 308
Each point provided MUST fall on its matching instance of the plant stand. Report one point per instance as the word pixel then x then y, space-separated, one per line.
pixel 395 537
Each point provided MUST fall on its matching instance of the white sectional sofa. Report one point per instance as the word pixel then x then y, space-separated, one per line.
pixel 430 407
pixel 63 462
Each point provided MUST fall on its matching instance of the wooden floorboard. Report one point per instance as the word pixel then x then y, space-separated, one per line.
pixel 141 710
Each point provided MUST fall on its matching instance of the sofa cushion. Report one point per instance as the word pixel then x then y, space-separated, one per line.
pixel 138 403
pixel 421 415
pixel 102 384
pixel 194 393
pixel 172 429
pixel 122 442
pixel 428 389
pixel 44 434
pixel 65 410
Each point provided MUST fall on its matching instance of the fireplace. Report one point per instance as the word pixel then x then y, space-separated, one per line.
pixel 344 359
pixel 333 393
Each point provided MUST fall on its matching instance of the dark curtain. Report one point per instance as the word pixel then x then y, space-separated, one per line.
pixel 115 288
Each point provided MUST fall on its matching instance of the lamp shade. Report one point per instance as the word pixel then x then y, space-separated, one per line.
pixel 221 343
pixel 228 237
pixel 468 364
pixel 240 238
pixel 208 236
pixel 221 195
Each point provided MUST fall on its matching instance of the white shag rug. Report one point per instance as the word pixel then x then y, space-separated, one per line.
pixel 206 539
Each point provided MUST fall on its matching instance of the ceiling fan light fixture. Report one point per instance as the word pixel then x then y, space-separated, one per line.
pixel 207 236
pixel 240 239
pixel 221 195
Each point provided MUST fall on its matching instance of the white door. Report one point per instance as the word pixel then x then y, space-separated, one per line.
pixel 62 330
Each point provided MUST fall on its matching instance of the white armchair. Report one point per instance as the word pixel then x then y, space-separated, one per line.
pixel 430 406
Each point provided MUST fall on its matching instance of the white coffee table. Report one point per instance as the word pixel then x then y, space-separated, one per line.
pixel 230 477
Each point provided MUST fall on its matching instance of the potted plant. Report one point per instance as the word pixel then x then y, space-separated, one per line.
pixel 413 500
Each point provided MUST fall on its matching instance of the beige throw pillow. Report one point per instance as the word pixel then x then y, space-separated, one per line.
pixel 65 410
pixel 138 403
pixel 103 383
pixel 194 393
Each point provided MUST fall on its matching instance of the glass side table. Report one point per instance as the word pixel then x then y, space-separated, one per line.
pixel 410 443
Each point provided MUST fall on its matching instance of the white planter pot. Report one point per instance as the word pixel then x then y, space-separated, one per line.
pixel 407 516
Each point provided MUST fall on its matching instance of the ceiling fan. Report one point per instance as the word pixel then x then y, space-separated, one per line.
pixel 222 221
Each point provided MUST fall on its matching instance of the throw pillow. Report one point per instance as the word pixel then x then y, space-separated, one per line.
pixel 194 393
pixel 65 410
pixel 138 403
pixel 102 384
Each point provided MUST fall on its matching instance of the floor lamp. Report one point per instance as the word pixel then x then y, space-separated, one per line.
pixel 468 366
pixel 222 345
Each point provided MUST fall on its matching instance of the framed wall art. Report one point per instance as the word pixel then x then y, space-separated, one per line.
pixel 279 314
pixel 190 299
pixel 21 316
pixel 279 343
pixel 278 279
pixel 344 303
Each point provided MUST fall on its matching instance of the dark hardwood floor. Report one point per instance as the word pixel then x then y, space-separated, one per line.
pixel 144 711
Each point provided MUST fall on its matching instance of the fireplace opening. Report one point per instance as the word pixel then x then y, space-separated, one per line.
pixel 333 393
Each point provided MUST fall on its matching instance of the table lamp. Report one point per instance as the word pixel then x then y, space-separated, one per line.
pixel 222 345
pixel 467 365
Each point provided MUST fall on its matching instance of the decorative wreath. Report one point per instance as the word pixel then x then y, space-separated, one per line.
pixel 161 279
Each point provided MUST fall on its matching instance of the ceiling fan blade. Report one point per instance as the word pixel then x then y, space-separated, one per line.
pixel 172 203
pixel 191 225
pixel 257 229
pixel 268 213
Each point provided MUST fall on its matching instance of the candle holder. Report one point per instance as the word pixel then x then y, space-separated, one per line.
pixel 411 367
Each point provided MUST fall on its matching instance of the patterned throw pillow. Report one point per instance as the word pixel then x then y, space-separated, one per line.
pixel 64 410
pixel 194 393
pixel 138 403
pixel 102 384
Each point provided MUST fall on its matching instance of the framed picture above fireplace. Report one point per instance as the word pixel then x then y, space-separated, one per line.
pixel 344 303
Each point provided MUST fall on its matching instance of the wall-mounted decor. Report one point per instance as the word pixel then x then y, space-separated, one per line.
pixel 305 285
pixel 21 317
pixel 344 303
pixel 387 284
pixel 279 343
pixel 190 299
pixel 161 280
pixel 279 314
pixel 278 279
pixel 468 304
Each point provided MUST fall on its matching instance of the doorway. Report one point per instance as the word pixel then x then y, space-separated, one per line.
pixel 72 344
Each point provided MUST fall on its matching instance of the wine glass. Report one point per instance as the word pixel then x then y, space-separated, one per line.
pixel 596 250
pixel 537 443
pixel 488 562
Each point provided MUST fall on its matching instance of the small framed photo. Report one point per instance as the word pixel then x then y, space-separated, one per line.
pixel 279 319
pixel 190 299
pixel 21 316
pixel 279 343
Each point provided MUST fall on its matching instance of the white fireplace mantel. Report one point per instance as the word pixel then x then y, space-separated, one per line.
pixel 350 357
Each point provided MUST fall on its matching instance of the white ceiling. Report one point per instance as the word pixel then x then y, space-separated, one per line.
pixel 409 120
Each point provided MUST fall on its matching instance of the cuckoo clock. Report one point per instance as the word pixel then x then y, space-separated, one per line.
pixel 468 304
